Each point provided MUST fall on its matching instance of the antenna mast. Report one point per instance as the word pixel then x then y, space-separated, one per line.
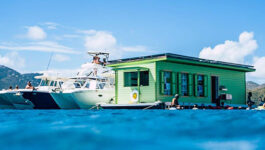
pixel 49 61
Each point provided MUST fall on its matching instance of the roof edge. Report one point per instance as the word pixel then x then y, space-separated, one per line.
pixel 183 59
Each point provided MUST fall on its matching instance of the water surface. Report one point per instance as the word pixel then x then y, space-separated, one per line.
pixel 132 129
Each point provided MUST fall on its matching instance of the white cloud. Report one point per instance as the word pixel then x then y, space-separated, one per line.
pixel 105 42
pixel 101 40
pixel 51 25
pixel 43 46
pixel 12 60
pixel 71 36
pixel 259 74
pixel 60 58
pixel 237 51
pixel 232 51
pixel 36 33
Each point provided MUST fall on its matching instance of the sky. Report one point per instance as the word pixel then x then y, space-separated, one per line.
pixel 33 31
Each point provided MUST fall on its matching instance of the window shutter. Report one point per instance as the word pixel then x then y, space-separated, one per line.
pixel 174 85
pixel 125 79
pixel 162 83
pixel 179 83
pixel 190 84
pixel 195 85
pixel 171 83
pixel 205 85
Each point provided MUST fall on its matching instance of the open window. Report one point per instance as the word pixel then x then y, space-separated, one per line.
pixel 200 85
pixel 131 78
pixel 167 83
pixel 184 84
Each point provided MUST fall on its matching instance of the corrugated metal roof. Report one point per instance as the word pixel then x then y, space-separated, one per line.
pixel 181 57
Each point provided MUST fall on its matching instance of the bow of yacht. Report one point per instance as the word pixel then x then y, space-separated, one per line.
pixel 40 96
pixel 13 99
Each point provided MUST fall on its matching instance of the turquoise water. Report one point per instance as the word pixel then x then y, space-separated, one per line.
pixel 132 129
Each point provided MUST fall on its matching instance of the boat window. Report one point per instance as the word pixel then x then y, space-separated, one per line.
pixel 81 82
pixel 60 83
pixel 77 85
pixel 184 84
pixel 87 85
pixel 167 83
pixel 200 85
pixel 44 82
pixel 101 85
pixel 131 78
pixel 52 83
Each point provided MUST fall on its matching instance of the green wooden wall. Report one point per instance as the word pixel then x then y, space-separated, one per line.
pixel 234 81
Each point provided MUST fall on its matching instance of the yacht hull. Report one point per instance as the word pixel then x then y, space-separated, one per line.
pixel 40 99
pixel 16 99
pixel 89 98
pixel 4 103
pixel 64 100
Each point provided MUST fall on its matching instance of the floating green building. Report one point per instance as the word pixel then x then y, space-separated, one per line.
pixel 159 77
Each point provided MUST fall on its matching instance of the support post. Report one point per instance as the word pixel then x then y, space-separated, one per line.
pixel 116 86
pixel 138 84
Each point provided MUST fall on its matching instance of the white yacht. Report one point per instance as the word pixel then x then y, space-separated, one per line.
pixel 94 91
pixel 40 95
pixel 84 93
pixel 94 84
pixel 63 96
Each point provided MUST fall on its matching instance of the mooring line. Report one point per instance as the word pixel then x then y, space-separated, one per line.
pixel 149 107
pixel 92 107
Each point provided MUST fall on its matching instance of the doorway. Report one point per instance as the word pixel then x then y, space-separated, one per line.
pixel 214 88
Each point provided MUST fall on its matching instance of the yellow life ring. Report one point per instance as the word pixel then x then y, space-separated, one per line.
pixel 134 97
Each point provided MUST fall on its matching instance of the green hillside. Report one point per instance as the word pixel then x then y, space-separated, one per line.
pixel 10 77
pixel 258 91
pixel 252 85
